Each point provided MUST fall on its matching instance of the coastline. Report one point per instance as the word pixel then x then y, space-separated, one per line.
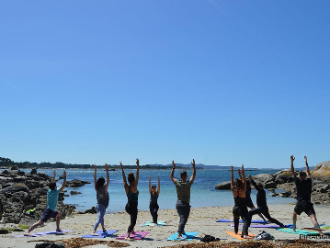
pixel 201 220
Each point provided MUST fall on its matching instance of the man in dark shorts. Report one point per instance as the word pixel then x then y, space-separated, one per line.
pixel 50 211
pixel 304 191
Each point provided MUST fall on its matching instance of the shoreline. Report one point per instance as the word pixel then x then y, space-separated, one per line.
pixel 201 220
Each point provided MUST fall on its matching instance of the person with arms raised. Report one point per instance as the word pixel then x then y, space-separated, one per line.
pixel 102 196
pixel 132 196
pixel 304 192
pixel 238 188
pixel 262 204
pixel 153 206
pixel 183 196
pixel 50 211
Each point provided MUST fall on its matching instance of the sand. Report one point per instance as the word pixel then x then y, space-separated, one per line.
pixel 201 220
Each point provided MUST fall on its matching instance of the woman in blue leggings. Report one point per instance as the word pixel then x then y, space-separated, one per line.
pixel 102 196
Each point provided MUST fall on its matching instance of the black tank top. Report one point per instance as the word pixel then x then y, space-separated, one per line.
pixel 153 198
pixel 238 200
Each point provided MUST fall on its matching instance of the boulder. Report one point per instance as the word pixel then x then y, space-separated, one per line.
pixel 224 185
pixel 285 194
pixel 88 211
pixel 262 178
pixel 76 183
pixel 322 170
pixel 34 171
pixel 270 184
pixel 325 188
pixel 75 192
pixel 16 188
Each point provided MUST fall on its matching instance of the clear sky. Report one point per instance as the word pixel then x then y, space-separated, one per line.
pixel 224 82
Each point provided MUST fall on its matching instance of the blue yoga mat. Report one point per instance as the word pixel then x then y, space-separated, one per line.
pixel 253 221
pixel 188 237
pixel 102 234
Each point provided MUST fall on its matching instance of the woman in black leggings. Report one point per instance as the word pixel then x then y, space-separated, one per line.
pixel 132 196
pixel 154 200
pixel 238 188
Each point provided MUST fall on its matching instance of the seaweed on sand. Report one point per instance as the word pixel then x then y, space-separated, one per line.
pixel 80 242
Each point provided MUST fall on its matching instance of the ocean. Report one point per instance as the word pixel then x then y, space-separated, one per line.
pixel 203 193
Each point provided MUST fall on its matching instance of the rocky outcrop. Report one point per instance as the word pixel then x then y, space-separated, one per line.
pixel 322 170
pixel 20 192
pixel 76 183
pixel 225 185
pixel 88 211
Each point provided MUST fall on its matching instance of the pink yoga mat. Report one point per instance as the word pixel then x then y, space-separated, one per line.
pixel 136 236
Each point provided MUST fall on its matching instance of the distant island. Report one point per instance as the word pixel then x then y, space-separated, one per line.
pixel 6 163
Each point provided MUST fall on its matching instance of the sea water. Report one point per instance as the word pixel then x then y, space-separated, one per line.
pixel 203 193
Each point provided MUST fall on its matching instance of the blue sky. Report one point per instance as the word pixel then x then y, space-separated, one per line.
pixel 224 82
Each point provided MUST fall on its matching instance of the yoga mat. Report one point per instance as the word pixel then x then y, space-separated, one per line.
pixel 44 233
pixel 149 223
pixel 322 226
pixel 102 234
pixel 238 235
pixel 136 236
pixel 58 233
pixel 302 232
pixel 32 235
pixel 188 237
pixel 253 221
pixel 267 226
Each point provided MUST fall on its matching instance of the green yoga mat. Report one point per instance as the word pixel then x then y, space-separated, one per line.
pixel 149 223
pixel 301 232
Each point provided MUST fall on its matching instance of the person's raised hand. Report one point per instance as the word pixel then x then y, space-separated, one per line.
pixel 173 164
pixel 137 162
pixel 121 165
pixel 305 157
pixel 64 174
pixel 193 163
pixel 106 166
pixel 292 158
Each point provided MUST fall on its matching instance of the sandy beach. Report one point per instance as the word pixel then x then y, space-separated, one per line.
pixel 201 220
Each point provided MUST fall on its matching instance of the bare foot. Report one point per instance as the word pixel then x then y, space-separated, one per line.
pixel 58 230
pixel 247 237
pixel 95 234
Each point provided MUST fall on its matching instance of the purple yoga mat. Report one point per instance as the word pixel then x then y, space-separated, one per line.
pixel 136 236
pixel 43 233
pixel 261 226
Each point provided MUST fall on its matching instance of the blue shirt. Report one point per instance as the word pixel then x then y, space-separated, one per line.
pixel 52 198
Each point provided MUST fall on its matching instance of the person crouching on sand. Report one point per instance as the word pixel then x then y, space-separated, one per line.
pixel 238 187
pixel 50 211
pixel 154 200
pixel 102 196
pixel 132 196
pixel 183 193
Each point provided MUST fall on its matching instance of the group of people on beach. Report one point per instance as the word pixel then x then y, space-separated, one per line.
pixel 241 192
pixel 240 187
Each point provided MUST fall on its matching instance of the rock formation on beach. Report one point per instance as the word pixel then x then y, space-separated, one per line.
pixel 283 180
pixel 20 192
